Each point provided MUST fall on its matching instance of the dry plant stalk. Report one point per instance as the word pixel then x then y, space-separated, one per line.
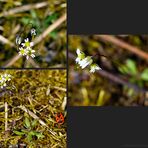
pixel 24 8
pixel 13 60
pixel 59 88
pixel 124 45
pixel 50 29
pixel 6 41
pixel 35 117
pixel 6 116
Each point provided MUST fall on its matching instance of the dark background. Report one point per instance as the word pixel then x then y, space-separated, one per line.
pixel 107 17
pixel 107 127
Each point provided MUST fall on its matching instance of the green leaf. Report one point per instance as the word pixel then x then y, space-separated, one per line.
pixel 34 123
pixel 51 18
pixel 29 136
pixel 39 135
pixel 33 14
pixel 131 65
pixel 144 75
pixel 123 69
pixel 25 20
pixel 53 34
pixel 19 133
pixel 27 123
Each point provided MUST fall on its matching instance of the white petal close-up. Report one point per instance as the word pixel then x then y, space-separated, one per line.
pixel 85 62
pixel 94 67
pixel 80 56
pixel 4 78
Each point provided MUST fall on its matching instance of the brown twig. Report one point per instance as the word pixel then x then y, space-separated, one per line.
pixel 33 63
pixel 24 8
pixel 6 41
pixel 12 61
pixel 123 45
pixel 50 29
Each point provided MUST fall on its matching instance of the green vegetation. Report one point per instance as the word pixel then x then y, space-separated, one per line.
pixel 50 43
pixel 28 107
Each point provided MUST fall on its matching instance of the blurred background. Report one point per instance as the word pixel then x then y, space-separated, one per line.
pixel 123 80
pixel 48 17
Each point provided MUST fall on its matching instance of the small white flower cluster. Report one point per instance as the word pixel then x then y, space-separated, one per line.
pixel 25 49
pixel 85 61
pixel 4 78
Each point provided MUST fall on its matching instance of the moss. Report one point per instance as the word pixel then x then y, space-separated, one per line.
pixel 42 92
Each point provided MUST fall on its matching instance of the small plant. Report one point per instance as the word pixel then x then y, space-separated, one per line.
pixel 130 68
pixel 28 131
pixel 25 48
pixel 85 61
pixel 4 79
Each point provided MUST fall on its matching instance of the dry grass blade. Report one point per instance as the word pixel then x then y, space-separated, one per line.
pixel 35 117
pixel 11 61
pixel 6 116
pixel 50 29
pixel 32 115
pixel 32 62
pixel 124 45
pixel 6 41
pixel 24 8
pixel 59 88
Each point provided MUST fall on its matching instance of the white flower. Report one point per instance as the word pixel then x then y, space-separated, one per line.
pixel 27 44
pixel 80 55
pixel 94 67
pixel 7 77
pixel 26 50
pixel 85 62
pixel 4 79
pixel 31 53
pixel 23 51
pixel 33 31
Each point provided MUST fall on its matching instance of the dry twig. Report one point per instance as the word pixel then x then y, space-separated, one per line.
pixel 118 80
pixel 50 29
pixel 124 45
pixel 6 41
pixel 24 8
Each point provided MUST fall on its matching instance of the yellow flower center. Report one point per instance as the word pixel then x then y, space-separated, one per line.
pixel 27 44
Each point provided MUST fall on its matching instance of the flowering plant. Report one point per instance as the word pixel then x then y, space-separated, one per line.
pixel 85 61
pixel 4 78
pixel 25 48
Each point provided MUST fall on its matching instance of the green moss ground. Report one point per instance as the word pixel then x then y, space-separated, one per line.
pixel 42 92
